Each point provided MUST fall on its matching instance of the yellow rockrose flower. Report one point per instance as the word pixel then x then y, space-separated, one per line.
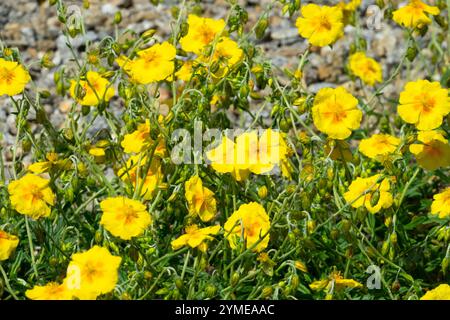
pixel 53 161
pixel 338 150
pixel 351 5
pixel 335 282
pixel 251 153
pixel 138 139
pixel 370 193
pixel 441 292
pixel 13 77
pixel 226 54
pixel 51 291
pixel 321 25
pixel 92 273
pixel 94 89
pixel 202 32
pixel 433 152
pixel 365 68
pixel 200 199
pixel 251 221
pixel 223 160
pixel 414 14
pixel 195 237
pixel 97 152
pixel 8 243
pixel 186 70
pixel 124 218
pixel 424 104
pixel 441 204
pixel 150 180
pixel 31 196
pixel 151 65
pixel 379 145
pixel 335 112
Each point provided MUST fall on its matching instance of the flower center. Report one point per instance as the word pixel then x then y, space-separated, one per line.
pixel 428 104
pixel 36 193
pixel 336 113
pixel 324 23
pixel 6 75
pixel 433 151
pixel 207 35
pixel 92 271
pixel 130 215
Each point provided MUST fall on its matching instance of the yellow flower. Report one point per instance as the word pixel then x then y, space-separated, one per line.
pixel 251 221
pixel 223 160
pixel 93 90
pixel 441 204
pixel 370 193
pixel 200 199
pixel 378 145
pixel 31 196
pixel 226 54
pixel 151 65
pixel 8 243
pixel 51 291
pixel 251 153
pixel 414 14
pixel 152 178
pixel 321 25
pixel 52 162
pixel 433 152
pixel 194 236
pixel 352 5
pixel 13 77
pixel 424 104
pixel 335 113
pixel 441 292
pixel 338 150
pixel 140 139
pixel 186 70
pixel 124 218
pixel 201 33
pixel 97 152
pixel 365 68
pixel 92 273
pixel 335 282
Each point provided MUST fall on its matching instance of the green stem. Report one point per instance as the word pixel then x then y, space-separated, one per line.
pixel 30 243
pixel 5 277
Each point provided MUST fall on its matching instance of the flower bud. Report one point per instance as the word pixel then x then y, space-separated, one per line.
pixel 261 27
pixel 210 291
pixel 117 17
pixel 267 292
pixel 234 279
pixel 262 192
pixel 411 53
pixel 445 264
pixel 300 266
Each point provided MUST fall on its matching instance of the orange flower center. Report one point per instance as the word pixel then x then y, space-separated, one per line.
pixel 324 23
pixel 433 151
pixel 36 193
pixel 428 103
pixel 130 215
pixel 206 35
pixel 337 115
pixel 92 271
pixel 6 75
